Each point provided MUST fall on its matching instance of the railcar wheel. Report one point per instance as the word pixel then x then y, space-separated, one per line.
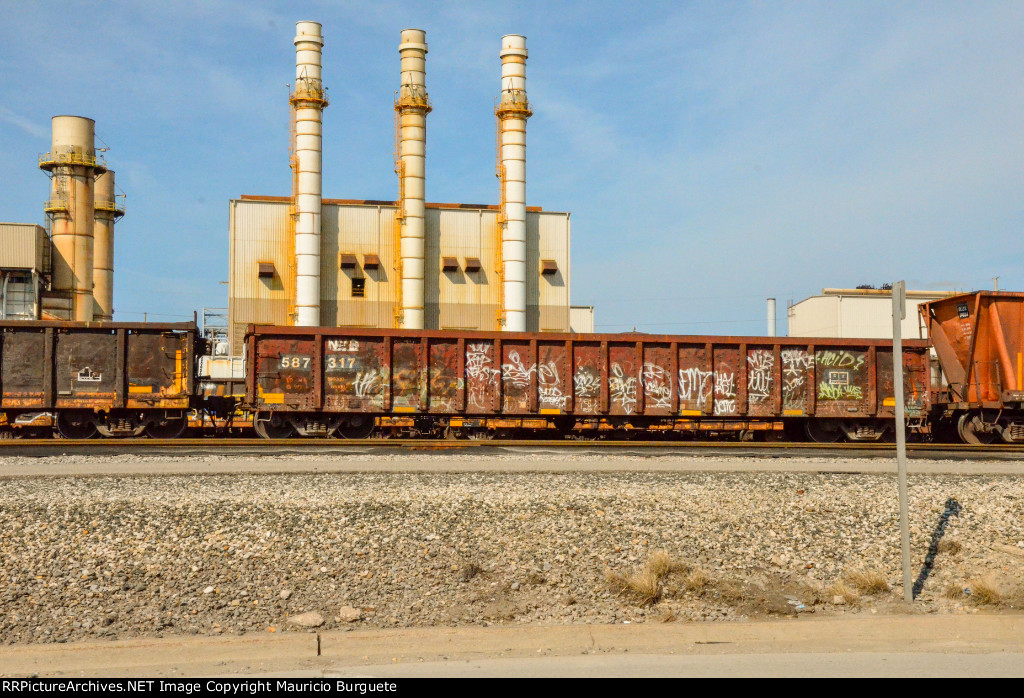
pixel 267 429
pixel 167 428
pixel 357 427
pixel 823 432
pixel 481 435
pixel 971 430
pixel 75 426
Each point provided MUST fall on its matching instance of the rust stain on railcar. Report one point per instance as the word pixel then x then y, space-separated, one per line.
pixel 356 378
pixel 284 372
pixel 553 386
pixel 797 364
pixel 623 379
pixel 483 373
pixel 762 369
pixel 159 370
pixel 696 380
pixel 586 378
pixel 86 369
pixel 445 382
pixel 657 379
pixel 842 382
pixel 519 376
pixel 23 365
pixel 409 385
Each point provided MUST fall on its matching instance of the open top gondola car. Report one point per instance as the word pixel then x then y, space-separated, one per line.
pixel 349 382
pixel 87 378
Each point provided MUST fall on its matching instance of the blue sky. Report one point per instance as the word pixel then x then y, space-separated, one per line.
pixel 712 153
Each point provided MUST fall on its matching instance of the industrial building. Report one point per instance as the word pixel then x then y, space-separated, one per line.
pixel 67 272
pixel 860 312
pixel 305 260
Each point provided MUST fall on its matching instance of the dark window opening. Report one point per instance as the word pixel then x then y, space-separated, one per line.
pixel 358 288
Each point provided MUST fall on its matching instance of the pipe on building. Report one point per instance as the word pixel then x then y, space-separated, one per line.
pixel 771 317
pixel 73 165
pixel 513 110
pixel 107 211
pixel 411 107
pixel 308 101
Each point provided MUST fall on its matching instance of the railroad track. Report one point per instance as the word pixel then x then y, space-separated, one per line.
pixel 277 447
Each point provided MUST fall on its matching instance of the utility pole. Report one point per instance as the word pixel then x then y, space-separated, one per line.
pixel 899 311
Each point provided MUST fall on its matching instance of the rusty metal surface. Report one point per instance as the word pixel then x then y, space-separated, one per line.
pixel 96 366
pixel 979 340
pixel 614 376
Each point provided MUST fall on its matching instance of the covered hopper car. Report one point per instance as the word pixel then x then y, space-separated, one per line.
pixel 351 382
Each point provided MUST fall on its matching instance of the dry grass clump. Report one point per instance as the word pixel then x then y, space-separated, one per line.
pixel 646 584
pixel 949 546
pixel 868 581
pixel 844 591
pixel 985 591
pixel 696 580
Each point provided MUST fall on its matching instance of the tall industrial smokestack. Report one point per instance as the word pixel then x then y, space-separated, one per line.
pixel 411 108
pixel 771 317
pixel 73 163
pixel 512 111
pixel 308 102
pixel 107 211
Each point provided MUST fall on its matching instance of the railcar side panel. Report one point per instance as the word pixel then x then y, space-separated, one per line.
pixel 587 369
pixel 23 368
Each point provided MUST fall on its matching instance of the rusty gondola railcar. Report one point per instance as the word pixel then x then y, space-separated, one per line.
pixel 87 378
pixel 979 341
pixel 349 382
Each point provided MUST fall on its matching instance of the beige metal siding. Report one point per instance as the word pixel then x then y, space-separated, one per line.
pixel 453 300
pixel 259 233
pixel 23 246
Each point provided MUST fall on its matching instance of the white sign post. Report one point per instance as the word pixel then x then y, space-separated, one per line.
pixel 899 311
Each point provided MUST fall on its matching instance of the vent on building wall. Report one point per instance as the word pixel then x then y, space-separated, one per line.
pixel 358 288
pixel 449 263
pixel 266 270
pixel 349 261
pixel 473 264
pixel 371 261
pixel 548 266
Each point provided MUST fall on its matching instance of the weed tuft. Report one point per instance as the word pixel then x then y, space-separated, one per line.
pixel 868 581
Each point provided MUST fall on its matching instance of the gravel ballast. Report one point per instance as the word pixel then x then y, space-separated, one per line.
pixel 113 557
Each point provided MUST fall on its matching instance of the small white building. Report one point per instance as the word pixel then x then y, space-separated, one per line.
pixel 855 313
pixel 24 261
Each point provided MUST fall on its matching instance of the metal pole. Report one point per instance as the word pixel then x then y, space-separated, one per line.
pixel 899 311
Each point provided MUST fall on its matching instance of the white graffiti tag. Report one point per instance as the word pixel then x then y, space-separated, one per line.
pixel 760 363
pixel 657 385
pixel 549 387
pixel 695 384
pixel 480 374
pixel 516 372
pixel 366 382
pixel 796 363
pixel 623 389
pixel 725 392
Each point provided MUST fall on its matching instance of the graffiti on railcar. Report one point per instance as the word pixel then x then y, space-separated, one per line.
pixel 760 375
pixel 623 389
pixel 549 387
pixel 587 389
pixel 695 385
pixel 840 374
pixel 481 376
pixel 516 372
pixel 657 382
pixel 725 393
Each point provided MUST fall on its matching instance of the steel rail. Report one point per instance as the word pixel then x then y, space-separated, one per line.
pixel 251 446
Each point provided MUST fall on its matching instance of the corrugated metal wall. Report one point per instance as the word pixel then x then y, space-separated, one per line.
pixel 453 299
pixel 23 246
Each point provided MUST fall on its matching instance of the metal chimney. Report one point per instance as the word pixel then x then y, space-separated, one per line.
pixel 73 165
pixel 771 317
pixel 308 102
pixel 513 110
pixel 411 108
pixel 107 210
